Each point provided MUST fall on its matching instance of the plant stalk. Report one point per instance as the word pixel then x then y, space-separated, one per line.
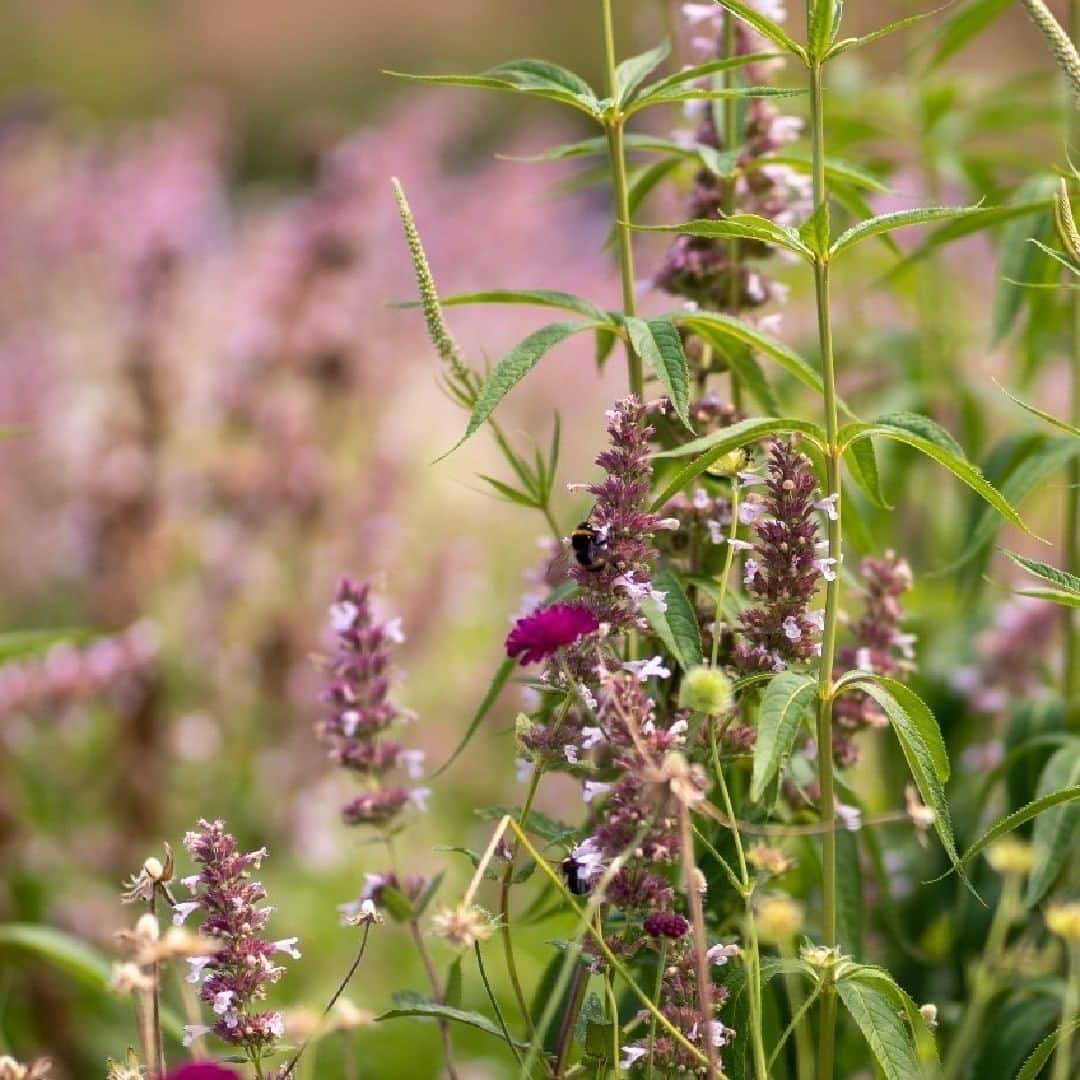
pixel 730 137
pixel 701 960
pixel 827 804
pixel 617 153
pixel 1063 1056
pixel 437 993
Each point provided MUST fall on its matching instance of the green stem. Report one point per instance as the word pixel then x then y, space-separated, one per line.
pixel 752 955
pixel 617 152
pixel 495 1003
pixel 661 963
pixel 804 1049
pixel 730 139
pixel 984 981
pixel 827 805
pixel 729 558
pixel 1063 1069
pixel 565 1040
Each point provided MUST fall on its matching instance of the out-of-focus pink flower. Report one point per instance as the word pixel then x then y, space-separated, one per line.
pixel 538 636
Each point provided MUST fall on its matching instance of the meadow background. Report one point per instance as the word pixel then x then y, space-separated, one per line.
pixel 221 410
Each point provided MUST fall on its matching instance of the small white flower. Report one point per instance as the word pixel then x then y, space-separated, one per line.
pixel 679 728
pixel 350 720
pixel 906 644
pixel 589 858
pixel 648 669
pixel 658 597
pixel 419 798
pixel 720 1033
pixel 633 1054
pixel 393 630
pixel 701 500
pixel 786 128
pixel 771 324
pixel 716 531
pixel 850 816
pixel 372 884
pixel 275 1024
pixel 750 478
pixel 749 512
pixel 791 628
pixel 816 619
pixel 825 568
pixel 182 911
pixel 864 659
pixel 721 954
pixel 570 752
pixel 343 615
pixel 587 696
pixel 594 788
pixel 525 769
pixel 828 507
pixel 413 760
pixel 669 524
pixel 191 882
pixel 197 963
pixel 750 571
pixel 754 288
pixel 740 545
pixel 288 945
pixel 223 1001
pixel 195 1031
pixel 592 737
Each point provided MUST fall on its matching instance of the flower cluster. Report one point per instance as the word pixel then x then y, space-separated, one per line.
pixel 880 646
pixel 701 269
pixel 361 712
pixel 785 566
pixel 235 978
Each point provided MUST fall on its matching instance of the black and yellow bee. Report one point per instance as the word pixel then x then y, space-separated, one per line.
pixel 575 880
pixel 589 547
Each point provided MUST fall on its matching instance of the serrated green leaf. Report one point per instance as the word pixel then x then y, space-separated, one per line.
pixel 513 368
pixel 966 23
pixel 924 427
pixel 1019 817
pixel 1015 1033
pixel 1062 579
pixel 1053 596
pixel 1053 839
pixel 631 73
pixel 432 1010
pixel 924 758
pixel 785 704
pixel 678 95
pixel 704 323
pixel 680 617
pixel 1048 417
pixel 823 20
pixel 739 227
pixel 897 219
pixel 1057 256
pixel 703 71
pixel 547 828
pixel 959 466
pixel 850 898
pixel 904 1006
pixel 885 1033
pixel 814 232
pixel 1041 1054
pixel 715 445
pixel 536 297
pixel 658 344
pixel 876 35
pixel 862 464
pixel 765 26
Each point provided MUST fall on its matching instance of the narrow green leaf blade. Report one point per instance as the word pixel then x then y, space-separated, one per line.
pixel 631 73
pixel 885 31
pixel 501 678
pixel 657 342
pixel 897 219
pixel 432 1010
pixel 550 298
pixel 16 644
pixel 1019 817
pixel 765 26
pixel 1062 579
pixel 921 717
pixel 784 705
pixel 966 23
pixel 1054 837
pixel 1041 1054
pixel 680 617
pixel 738 227
pixel 1048 417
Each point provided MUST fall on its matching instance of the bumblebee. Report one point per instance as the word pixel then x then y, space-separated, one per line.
pixel 571 871
pixel 589 548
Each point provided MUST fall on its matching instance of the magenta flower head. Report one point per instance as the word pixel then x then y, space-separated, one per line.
pixel 202 1070
pixel 542 634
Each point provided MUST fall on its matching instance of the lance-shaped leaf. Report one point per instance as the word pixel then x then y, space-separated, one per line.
pixel 677 626
pixel 631 73
pixel 1062 579
pixel 677 95
pixel 898 219
pixel 704 71
pixel 550 298
pixel 514 367
pixel 847 44
pixel 862 464
pixel 874 1011
pixel 1053 596
pixel 765 26
pixel 1033 1067
pixel 538 78
pixel 1054 837
pixel 787 701
pixel 739 227
pixel 713 446
pixel 959 466
pixel 657 342
pixel 432 1010
pixel 1048 417
pixel 706 323
pixel 837 171
pixel 925 758
pixel 823 23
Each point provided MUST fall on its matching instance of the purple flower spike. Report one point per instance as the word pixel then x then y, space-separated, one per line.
pixel 538 636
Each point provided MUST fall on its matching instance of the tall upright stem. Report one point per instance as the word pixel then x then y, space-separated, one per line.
pixel 617 153
pixel 731 137
pixel 827 803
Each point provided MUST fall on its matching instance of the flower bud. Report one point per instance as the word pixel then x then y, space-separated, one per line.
pixel 1010 856
pixel 1064 920
pixel 705 690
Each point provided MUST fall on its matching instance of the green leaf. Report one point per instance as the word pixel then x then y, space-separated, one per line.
pixel 823 20
pixel 537 78
pixel 739 227
pixel 657 342
pixel 536 297
pixel 1054 596
pixel 743 363
pixel 502 677
pixel 785 704
pixel 513 368
pixel 925 754
pixel 1053 839
pixel 876 35
pixel 959 466
pixel 885 1033
pixel 837 170
pixel 1057 256
pixel 16 644
pixel 631 73
pixel 850 899
pixel 680 617
pixel 862 464
pixel 70 954
pixel 966 23
pixel 1016 1032
pixel 430 890
pixel 1069 583
pixel 713 446
pixel 1019 817
pixel 703 71
pixel 510 494
pixel 707 323
pixel 677 95
pixel 1048 417
pixel 764 26
pixel 924 427
pixel 1041 1054
pixel 897 219
pixel 432 1010
pixel 904 1006
pixel 452 984
pixel 815 230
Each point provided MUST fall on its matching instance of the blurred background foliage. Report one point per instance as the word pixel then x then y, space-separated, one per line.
pixel 221 411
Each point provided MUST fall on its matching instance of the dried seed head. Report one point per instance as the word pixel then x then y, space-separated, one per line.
pixel 686 782
pixel 10 1069
pixel 365 914
pixel 463 926
pixel 821 956
pixel 770 860
pixel 929 1014
pixel 129 978
pixel 154 876
pixel 128 1069
pixel 345 1016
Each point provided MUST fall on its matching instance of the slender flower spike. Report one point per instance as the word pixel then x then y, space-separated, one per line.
pixel 540 635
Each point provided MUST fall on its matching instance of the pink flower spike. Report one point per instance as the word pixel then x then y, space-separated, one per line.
pixel 542 634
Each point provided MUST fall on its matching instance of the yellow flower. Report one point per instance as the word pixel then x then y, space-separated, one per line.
pixel 1064 920
pixel 1010 856
pixel 779 918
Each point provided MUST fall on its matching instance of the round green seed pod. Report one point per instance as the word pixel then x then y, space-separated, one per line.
pixel 705 690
